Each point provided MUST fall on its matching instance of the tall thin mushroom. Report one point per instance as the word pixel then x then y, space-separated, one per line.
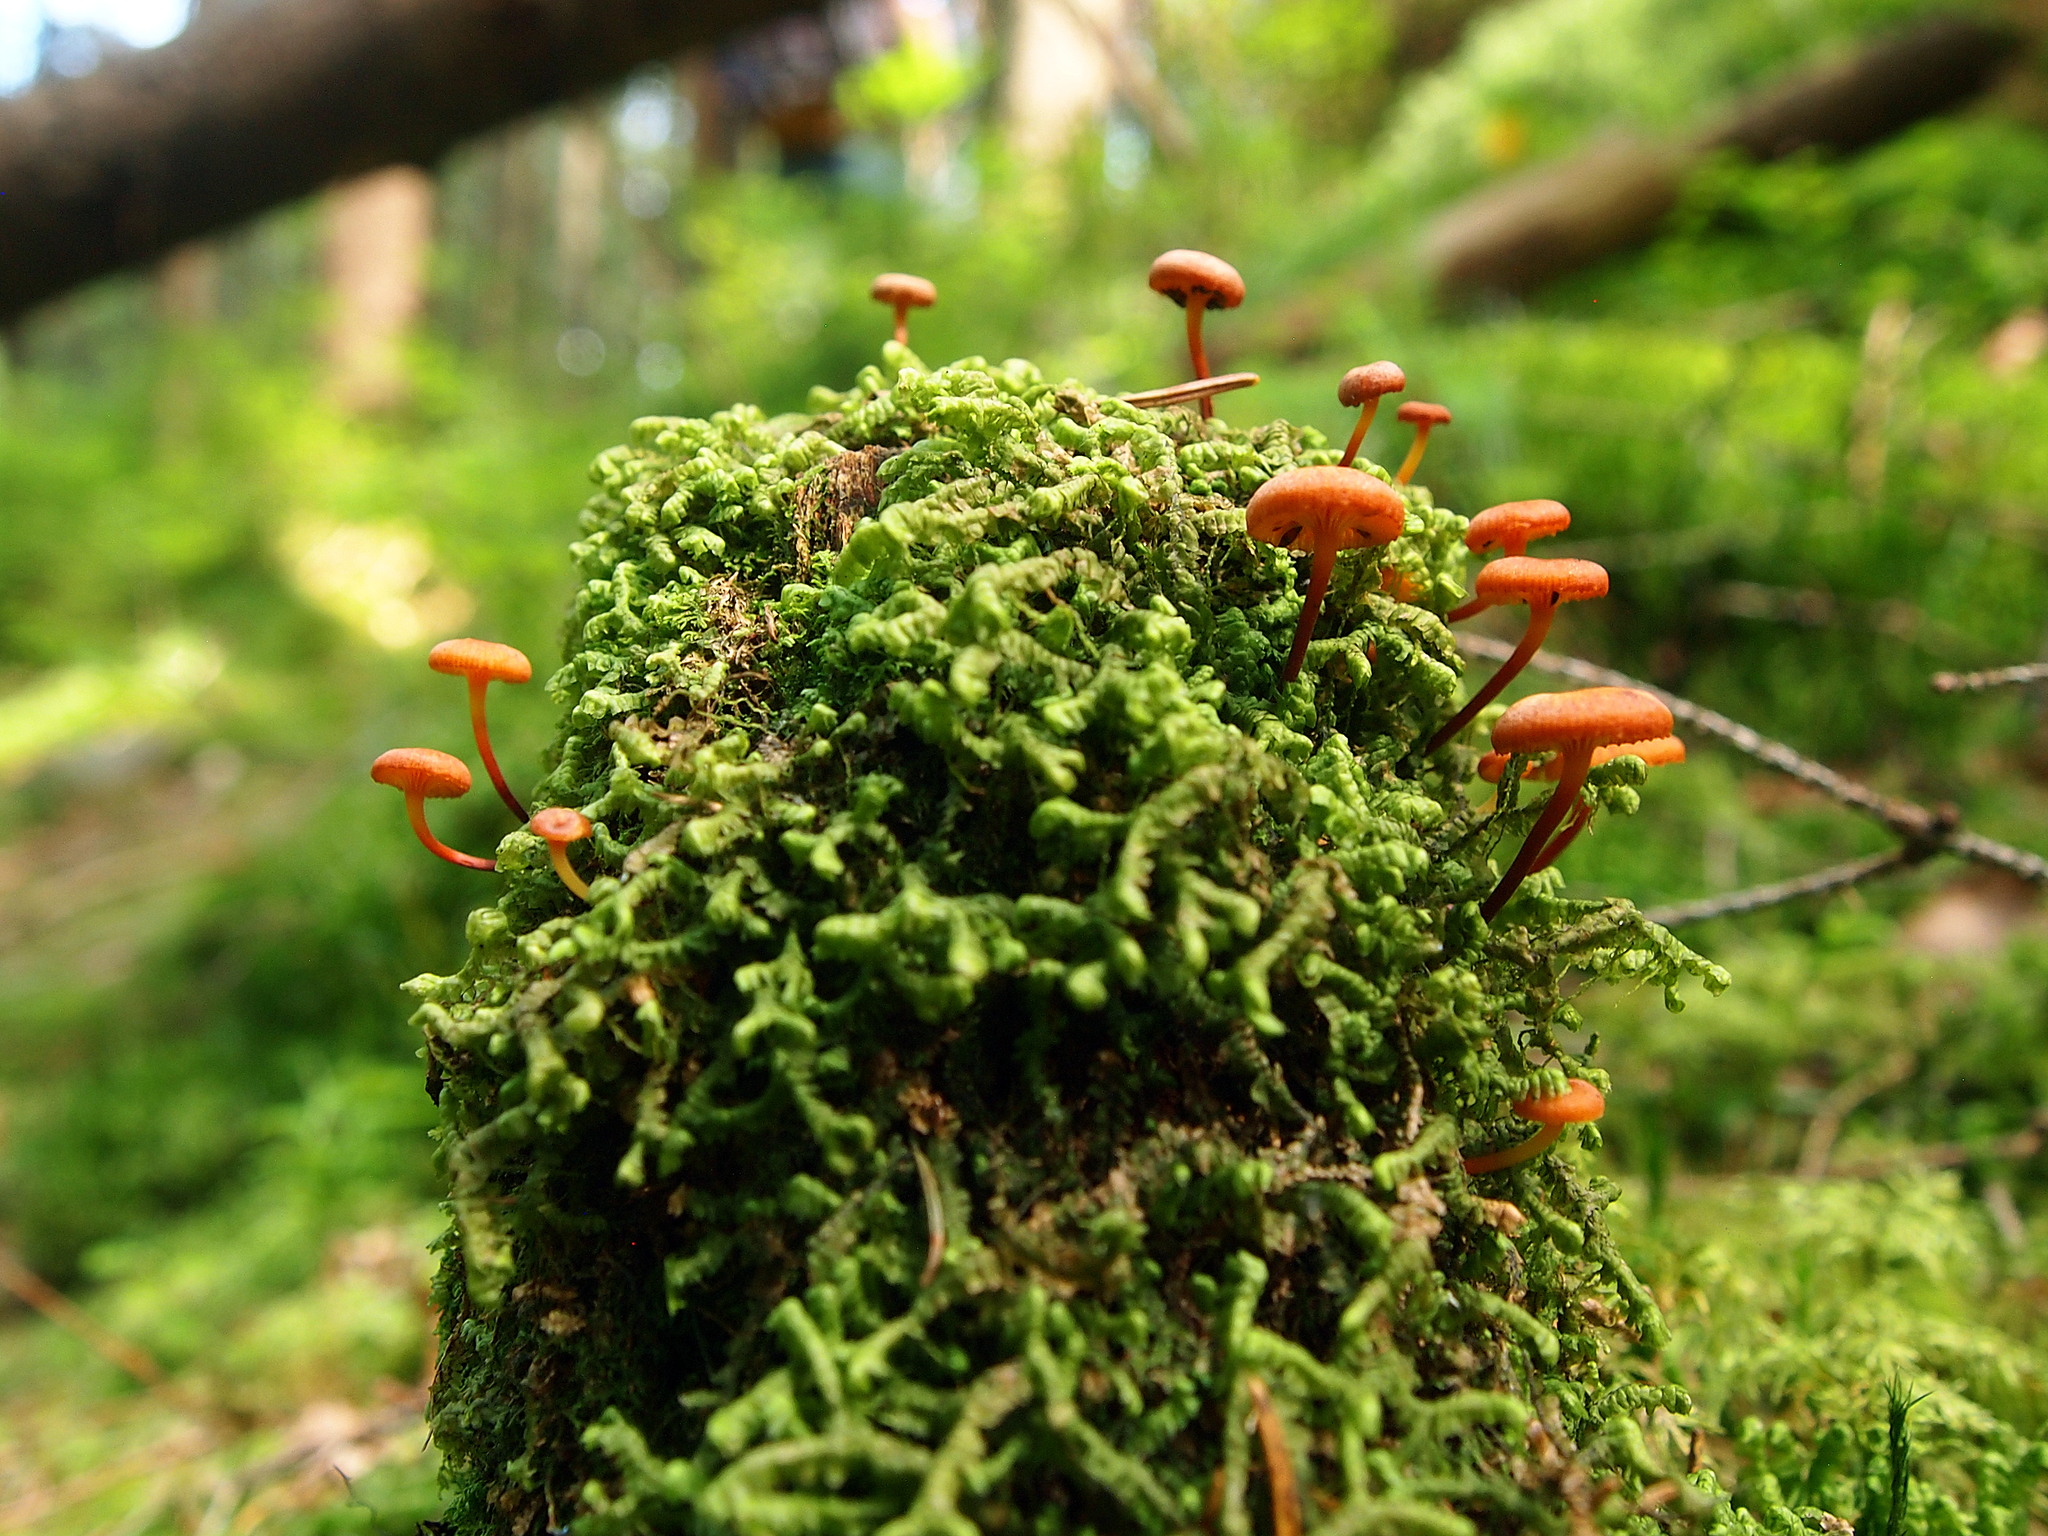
pixel 1321 510
pixel 424 774
pixel 1572 725
pixel 484 662
pixel 1363 387
pixel 1545 585
pixel 1197 281
pixel 1511 526
pixel 903 293
pixel 1422 415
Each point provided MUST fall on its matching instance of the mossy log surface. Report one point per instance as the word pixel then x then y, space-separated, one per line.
pixel 1013 1070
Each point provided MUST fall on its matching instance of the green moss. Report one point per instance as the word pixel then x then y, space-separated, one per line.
pixel 959 854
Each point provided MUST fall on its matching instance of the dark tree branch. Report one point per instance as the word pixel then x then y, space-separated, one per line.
pixel 258 105
pixel 1520 233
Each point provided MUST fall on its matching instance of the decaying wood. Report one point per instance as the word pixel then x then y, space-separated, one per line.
pixel 258 105
pixel 1516 235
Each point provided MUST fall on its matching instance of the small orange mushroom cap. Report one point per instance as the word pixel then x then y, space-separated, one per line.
pixel 1545 722
pixel 1513 524
pixel 560 824
pixel 1579 1103
pixel 1301 509
pixel 422 771
pixel 1524 579
pixel 1416 412
pixel 1660 753
pixel 481 658
pixel 903 288
pixel 1182 274
pixel 1369 381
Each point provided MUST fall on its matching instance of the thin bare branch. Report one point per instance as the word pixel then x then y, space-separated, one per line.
pixel 1997 677
pixel 1193 390
pixel 33 1290
pixel 1756 897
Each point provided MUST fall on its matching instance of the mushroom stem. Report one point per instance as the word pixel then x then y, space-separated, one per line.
pixel 1563 840
pixel 1366 412
pixel 1577 758
pixel 558 855
pixel 416 808
pixel 1465 610
pixel 1532 639
pixel 902 324
pixel 1280 1478
pixel 1321 564
pixel 479 685
pixel 1197 301
pixel 1414 460
pixel 1521 1152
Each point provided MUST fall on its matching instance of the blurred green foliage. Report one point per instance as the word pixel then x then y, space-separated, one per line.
pixel 1777 427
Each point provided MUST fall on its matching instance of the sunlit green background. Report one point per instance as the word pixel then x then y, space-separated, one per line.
pixel 1804 431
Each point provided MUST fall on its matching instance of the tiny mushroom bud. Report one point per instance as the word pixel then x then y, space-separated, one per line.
pixel 1659 753
pixel 1511 525
pixel 1574 725
pixel 558 827
pixel 1196 281
pixel 1544 585
pixel 903 293
pixel 424 774
pixel 1579 1103
pixel 1421 415
pixel 1321 510
pixel 1362 387
pixel 484 662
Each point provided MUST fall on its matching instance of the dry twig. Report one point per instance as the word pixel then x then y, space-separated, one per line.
pixel 1997 677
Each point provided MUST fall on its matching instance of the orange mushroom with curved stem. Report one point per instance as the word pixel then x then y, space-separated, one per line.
pixel 903 293
pixel 424 774
pixel 1580 1103
pixel 1572 725
pixel 558 827
pixel 1545 585
pixel 1511 525
pixel 1422 415
pixel 1197 281
pixel 1362 387
pixel 1660 753
pixel 484 662
pixel 1321 510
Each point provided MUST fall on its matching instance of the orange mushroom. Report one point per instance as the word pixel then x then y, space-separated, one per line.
pixel 1662 752
pixel 1321 510
pixel 1196 281
pixel 1423 416
pixel 1579 1103
pixel 903 293
pixel 1363 386
pixel 484 662
pixel 1544 585
pixel 1573 725
pixel 558 827
pixel 1511 525
pixel 424 774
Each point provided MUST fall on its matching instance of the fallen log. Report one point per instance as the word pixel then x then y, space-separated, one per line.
pixel 1530 229
pixel 258 105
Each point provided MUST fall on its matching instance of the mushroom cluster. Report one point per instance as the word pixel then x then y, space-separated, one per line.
pixel 423 774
